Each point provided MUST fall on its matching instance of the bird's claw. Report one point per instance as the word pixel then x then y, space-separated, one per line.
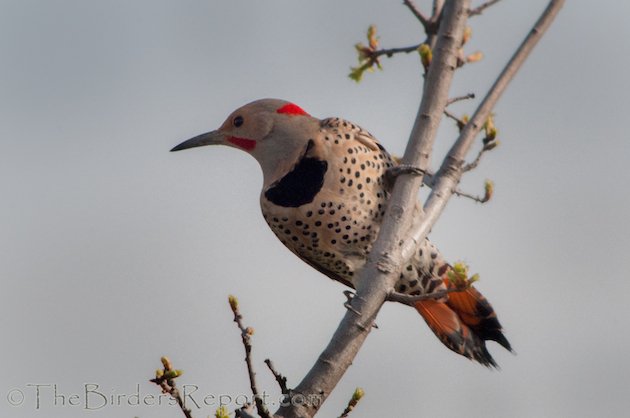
pixel 397 170
pixel 349 294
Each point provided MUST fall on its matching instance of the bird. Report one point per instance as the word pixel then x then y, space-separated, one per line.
pixel 325 191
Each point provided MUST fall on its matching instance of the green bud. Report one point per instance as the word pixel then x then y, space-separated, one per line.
pixel 358 394
pixel 172 374
pixel 222 412
pixel 489 190
pixel 233 302
pixel 474 57
pixel 166 362
pixel 372 38
pixel 426 55
pixel 467 35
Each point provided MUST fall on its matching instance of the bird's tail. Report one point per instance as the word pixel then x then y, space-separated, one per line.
pixel 464 321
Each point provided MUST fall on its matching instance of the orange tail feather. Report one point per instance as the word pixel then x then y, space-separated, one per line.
pixel 463 323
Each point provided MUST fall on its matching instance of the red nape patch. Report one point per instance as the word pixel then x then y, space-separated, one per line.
pixel 246 144
pixel 292 109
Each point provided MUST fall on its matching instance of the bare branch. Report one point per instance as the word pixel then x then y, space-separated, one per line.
pixel 418 14
pixel 478 10
pixel 392 51
pixel 282 380
pixel 378 276
pixel 487 147
pixel 246 333
pixel 460 122
pixel 449 174
pixel 477 199
pixel 458 282
pixel 438 5
pixel 460 98
pixel 412 299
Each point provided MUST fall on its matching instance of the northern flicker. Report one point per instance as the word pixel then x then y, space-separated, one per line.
pixel 324 196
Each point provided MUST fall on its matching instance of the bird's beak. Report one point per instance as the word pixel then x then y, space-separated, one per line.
pixel 210 138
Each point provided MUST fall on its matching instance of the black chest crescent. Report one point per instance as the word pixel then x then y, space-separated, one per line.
pixel 300 185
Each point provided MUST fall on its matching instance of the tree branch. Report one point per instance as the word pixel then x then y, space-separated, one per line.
pixel 459 122
pixel 412 299
pixel 419 15
pixel 282 380
pixel 394 243
pixel 479 10
pixel 391 51
pixel 460 98
pixel 165 379
pixel 472 197
pixel 457 284
pixel 487 147
pixel 246 333
pixel 449 174
pixel 378 276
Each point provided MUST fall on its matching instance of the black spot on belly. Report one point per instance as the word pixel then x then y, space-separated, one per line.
pixel 300 185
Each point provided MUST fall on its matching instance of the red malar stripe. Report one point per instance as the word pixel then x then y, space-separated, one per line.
pixel 246 144
pixel 292 109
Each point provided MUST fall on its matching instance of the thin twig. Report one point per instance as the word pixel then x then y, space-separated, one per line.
pixel 460 123
pixel 458 282
pixel 397 170
pixel 246 333
pixel 460 98
pixel 352 403
pixel 478 199
pixel 165 379
pixel 174 392
pixel 487 147
pixel 392 51
pixel 282 380
pixel 478 10
pixel 412 299
pixel 418 14
pixel 436 16
pixel 438 5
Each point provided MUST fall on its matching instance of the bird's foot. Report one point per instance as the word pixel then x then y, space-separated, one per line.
pixel 395 171
pixel 349 294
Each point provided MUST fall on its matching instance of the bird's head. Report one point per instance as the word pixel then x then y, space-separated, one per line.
pixel 273 131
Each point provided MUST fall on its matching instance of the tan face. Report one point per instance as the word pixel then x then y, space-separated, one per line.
pixel 246 127
pixel 273 131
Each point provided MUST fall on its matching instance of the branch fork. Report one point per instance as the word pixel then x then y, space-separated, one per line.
pixel 373 284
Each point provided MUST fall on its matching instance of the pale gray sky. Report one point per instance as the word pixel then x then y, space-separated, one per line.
pixel 115 252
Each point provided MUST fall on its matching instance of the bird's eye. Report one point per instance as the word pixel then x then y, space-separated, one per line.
pixel 238 121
